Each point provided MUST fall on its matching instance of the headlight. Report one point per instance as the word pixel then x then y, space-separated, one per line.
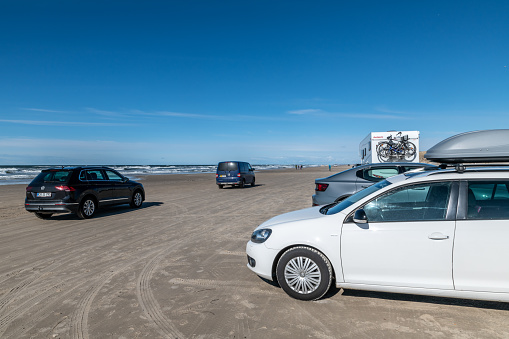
pixel 261 235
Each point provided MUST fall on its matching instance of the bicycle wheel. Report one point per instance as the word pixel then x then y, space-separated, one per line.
pixel 410 151
pixel 383 151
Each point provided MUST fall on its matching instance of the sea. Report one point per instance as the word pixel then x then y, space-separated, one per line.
pixel 10 175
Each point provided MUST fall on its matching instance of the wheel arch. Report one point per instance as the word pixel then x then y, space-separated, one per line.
pixel 141 190
pixel 89 194
pixel 280 254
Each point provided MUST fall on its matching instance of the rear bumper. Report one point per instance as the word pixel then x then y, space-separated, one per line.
pixel 229 182
pixel 50 207
pixel 320 200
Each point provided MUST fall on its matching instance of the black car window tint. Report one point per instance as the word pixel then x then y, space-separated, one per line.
pixel 233 166
pixel 95 175
pixel 83 175
pixel 488 200
pixel 113 176
pixel 222 166
pixel 412 203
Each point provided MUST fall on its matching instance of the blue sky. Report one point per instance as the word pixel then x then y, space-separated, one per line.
pixel 284 82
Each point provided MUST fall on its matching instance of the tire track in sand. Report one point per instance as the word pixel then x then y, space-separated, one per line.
pixel 149 304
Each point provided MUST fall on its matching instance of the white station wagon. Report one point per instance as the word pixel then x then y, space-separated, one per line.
pixel 441 232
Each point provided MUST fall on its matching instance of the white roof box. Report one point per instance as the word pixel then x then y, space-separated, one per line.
pixel 477 146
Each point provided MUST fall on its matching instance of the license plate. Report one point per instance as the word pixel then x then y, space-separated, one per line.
pixel 43 195
pixel 222 176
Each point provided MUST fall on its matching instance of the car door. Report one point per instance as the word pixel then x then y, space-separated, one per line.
pixel 370 175
pixel 120 187
pixel 407 241
pixel 98 182
pixel 481 252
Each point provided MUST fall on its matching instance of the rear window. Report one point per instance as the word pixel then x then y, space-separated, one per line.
pixel 227 166
pixel 53 176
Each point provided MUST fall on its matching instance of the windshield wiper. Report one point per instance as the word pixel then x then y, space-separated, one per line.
pixel 325 208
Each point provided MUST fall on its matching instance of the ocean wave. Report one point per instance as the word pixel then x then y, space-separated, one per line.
pixel 24 174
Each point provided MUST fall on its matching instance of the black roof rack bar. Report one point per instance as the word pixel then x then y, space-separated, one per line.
pixel 444 166
pixel 461 168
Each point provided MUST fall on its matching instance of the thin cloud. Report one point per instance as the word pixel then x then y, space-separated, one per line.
pixel 305 111
pixel 61 123
pixel 321 113
pixel 109 114
pixel 43 110
pixel 383 109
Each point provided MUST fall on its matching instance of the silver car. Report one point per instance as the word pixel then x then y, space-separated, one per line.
pixel 341 185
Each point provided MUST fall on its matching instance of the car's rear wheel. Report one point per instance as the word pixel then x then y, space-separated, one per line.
pixel 44 216
pixel 87 208
pixel 242 183
pixel 304 273
pixel 220 186
pixel 136 200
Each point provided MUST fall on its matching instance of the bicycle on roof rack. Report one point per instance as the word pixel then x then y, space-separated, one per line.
pixel 396 149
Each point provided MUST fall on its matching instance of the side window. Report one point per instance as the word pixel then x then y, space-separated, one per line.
pixel 377 174
pixel 410 168
pixel 488 200
pixel 113 176
pixel 95 175
pixel 83 175
pixel 243 167
pixel 411 203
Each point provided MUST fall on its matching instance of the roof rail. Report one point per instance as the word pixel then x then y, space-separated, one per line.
pixel 461 168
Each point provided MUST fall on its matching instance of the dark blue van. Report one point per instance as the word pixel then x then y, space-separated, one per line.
pixel 235 173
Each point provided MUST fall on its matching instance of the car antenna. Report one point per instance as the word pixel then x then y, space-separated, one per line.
pixel 460 168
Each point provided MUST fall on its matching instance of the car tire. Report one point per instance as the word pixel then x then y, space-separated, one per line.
pixel 242 183
pixel 44 216
pixel 136 199
pixel 253 183
pixel 220 186
pixel 304 273
pixel 87 208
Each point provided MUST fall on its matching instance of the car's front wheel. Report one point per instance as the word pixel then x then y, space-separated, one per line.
pixel 136 200
pixel 304 273
pixel 87 208
pixel 44 216
pixel 253 183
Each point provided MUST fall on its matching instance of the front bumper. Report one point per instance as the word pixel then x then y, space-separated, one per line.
pixel 50 207
pixel 263 258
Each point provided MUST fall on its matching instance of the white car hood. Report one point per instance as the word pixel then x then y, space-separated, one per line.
pixel 305 214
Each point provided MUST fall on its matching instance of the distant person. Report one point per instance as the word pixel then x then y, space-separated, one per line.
pixel 329 168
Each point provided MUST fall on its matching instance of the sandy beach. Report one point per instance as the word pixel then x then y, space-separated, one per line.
pixel 176 268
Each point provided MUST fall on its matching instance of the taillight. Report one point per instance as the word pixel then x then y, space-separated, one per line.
pixel 321 187
pixel 238 174
pixel 65 188
pixel 29 188
pixel 217 175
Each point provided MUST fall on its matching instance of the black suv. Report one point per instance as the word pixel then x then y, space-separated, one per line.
pixel 80 190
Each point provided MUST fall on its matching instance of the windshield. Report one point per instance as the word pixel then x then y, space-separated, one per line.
pixel 338 207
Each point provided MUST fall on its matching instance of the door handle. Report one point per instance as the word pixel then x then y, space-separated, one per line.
pixel 438 236
pixel 364 186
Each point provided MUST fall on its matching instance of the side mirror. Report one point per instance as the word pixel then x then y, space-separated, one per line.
pixel 360 217
pixel 125 179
